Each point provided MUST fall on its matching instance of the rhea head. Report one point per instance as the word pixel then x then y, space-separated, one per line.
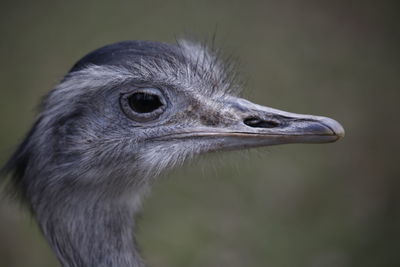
pixel 123 114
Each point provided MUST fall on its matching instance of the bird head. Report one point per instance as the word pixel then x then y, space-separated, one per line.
pixel 130 110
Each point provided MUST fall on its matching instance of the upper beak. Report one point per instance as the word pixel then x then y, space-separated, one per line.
pixel 272 126
pixel 247 125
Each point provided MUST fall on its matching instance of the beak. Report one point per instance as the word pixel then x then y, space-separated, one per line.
pixel 247 125
pixel 267 126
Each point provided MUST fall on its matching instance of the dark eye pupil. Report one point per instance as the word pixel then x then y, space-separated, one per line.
pixel 144 103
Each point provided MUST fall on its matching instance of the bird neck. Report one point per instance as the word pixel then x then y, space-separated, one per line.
pixel 89 233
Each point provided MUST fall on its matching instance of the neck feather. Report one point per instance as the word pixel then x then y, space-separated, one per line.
pixel 92 232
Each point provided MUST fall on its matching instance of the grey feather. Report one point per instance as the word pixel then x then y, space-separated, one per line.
pixel 89 159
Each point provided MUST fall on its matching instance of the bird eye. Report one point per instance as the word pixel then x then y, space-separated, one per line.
pixel 144 104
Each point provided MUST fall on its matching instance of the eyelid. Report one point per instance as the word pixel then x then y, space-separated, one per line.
pixel 146 90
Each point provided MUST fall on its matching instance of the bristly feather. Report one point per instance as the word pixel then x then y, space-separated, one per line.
pixel 76 158
pixel 198 66
pixel 13 172
pixel 209 64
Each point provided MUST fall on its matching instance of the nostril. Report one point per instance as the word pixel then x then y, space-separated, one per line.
pixel 260 123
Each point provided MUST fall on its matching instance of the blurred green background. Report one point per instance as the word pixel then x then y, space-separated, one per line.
pixel 333 205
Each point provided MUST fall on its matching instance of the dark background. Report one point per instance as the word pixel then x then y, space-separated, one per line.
pixel 333 205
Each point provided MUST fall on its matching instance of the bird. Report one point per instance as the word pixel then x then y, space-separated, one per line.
pixel 121 116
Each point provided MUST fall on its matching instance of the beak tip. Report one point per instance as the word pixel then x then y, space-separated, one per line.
pixel 335 127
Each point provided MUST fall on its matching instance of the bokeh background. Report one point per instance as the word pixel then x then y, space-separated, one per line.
pixel 333 205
